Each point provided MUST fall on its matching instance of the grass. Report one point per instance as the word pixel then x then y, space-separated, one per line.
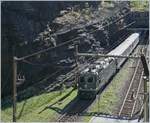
pixel 109 98
pixel 32 109
pixel 140 5
pixel 37 108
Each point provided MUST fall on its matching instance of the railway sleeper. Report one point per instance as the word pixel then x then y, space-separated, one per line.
pixel 125 115
pixel 128 106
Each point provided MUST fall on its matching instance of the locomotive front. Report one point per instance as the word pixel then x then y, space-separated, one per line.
pixel 87 84
pixel 93 78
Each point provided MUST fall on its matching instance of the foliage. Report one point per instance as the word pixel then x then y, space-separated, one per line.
pixel 140 5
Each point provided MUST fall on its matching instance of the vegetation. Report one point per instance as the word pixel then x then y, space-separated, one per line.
pixel 76 16
pixel 140 5
pixel 45 107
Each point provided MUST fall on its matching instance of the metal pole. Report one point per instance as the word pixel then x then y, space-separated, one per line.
pixel 14 87
pixel 98 102
pixel 146 111
pixel 146 96
pixel 76 59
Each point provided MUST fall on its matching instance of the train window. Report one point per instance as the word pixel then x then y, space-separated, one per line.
pixel 81 79
pixel 90 79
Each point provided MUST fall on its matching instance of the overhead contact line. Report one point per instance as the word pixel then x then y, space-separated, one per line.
pixel 59 45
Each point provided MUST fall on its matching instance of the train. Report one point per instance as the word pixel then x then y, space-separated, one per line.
pixel 93 78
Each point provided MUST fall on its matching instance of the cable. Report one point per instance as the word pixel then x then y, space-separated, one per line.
pixel 35 64
pixel 69 75
pixel 46 78
pixel 110 23
pixel 45 50
pixel 46 64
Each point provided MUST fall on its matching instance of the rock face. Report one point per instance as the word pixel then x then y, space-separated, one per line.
pixel 21 23
pixel 141 19
pixel 28 27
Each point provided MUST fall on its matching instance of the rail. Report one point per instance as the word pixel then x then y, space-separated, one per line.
pixel 137 95
pixel 132 80
pixel 128 106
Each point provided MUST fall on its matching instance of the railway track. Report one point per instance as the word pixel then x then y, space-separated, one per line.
pixel 68 118
pixel 128 107
pixel 72 114
pixel 71 74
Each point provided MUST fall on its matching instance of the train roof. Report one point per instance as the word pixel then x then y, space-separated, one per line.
pixel 101 64
pixel 123 46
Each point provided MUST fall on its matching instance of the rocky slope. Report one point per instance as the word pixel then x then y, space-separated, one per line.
pixel 28 27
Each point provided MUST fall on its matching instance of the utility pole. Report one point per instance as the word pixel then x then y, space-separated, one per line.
pixel 146 94
pixel 14 87
pixel 76 60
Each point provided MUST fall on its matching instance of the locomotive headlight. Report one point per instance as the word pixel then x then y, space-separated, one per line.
pixel 85 85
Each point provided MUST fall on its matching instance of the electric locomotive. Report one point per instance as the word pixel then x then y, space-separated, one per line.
pixel 98 74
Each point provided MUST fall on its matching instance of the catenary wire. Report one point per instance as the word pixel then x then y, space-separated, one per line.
pixel 50 48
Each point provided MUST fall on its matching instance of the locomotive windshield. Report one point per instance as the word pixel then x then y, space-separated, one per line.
pixel 82 79
pixel 89 79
